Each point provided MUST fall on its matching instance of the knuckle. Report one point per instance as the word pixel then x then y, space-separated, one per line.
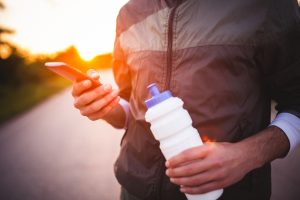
pixel 199 180
pixel 188 169
pixel 218 163
pixel 78 86
pixel 81 85
pixel 92 118
pixel 100 115
pixel 195 190
pixel 84 99
pixel 76 104
pixel 99 91
pixel 94 108
pixel 74 92
pixel 107 109
pixel 222 183
pixel 104 111
pixel 194 181
pixel 185 155
pixel 206 189
pixel 180 181
pixel 221 175
pixel 172 172
pixel 83 113
pixel 108 98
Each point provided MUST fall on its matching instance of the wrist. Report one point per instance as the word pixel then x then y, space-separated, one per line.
pixel 116 117
pixel 249 157
pixel 264 147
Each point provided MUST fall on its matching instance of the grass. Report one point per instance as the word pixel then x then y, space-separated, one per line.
pixel 14 101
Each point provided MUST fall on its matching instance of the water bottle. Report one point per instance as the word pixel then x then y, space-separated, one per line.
pixel 172 126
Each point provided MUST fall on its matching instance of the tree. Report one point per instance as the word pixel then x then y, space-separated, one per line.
pixel 1 5
pixel 4 45
pixel 9 65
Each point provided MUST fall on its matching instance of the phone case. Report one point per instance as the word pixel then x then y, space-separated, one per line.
pixel 71 73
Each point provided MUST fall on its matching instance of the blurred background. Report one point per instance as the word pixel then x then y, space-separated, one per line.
pixel 47 149
pixel 80 32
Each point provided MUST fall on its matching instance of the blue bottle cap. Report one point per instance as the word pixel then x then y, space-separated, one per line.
pixel 157 97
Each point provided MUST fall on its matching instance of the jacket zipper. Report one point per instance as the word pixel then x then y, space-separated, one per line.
pixel 169 70
pixel 170 46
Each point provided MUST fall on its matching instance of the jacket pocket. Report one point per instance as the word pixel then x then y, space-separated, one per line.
pixel 138 167
pixel 136 176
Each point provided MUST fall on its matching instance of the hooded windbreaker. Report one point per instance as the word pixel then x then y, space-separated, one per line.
pixel 225 59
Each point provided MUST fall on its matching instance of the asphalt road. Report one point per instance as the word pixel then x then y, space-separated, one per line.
pixel 53 153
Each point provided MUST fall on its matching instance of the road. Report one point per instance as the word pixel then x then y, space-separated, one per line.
pixel 53 153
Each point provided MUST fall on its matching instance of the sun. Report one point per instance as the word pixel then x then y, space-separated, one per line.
pixel 87 54
pixel 88 47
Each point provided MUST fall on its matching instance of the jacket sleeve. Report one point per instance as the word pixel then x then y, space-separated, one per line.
pixel 120 68
pixel 282 75
pixel 282 59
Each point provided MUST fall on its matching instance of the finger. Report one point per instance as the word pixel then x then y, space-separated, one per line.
pixel 208 187
pixel 100 114
pixel 90 96
pixel 188 155
pixel 90 72
pixel 79 87
pixel 99 104
pixel 190 169
pixel 93 74
pixel 199 179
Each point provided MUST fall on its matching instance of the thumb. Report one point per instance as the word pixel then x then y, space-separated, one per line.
pixel 93 74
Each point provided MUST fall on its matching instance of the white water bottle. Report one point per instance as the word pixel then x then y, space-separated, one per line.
pixel 172 126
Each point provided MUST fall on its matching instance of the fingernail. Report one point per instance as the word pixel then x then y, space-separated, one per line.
pixel 183 190
pixel 86 83
pixel 117 99
pixel 172 180
pixel 167 163
pixel 94 75
pixel 167 172
pixel 106 87
pixel 114 93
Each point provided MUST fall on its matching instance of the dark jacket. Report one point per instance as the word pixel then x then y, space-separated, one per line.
pixel 225 59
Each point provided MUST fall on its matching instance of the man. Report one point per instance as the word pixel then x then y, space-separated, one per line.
pixel 226 60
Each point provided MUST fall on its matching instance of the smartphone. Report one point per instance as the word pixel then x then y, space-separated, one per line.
pixel 71 73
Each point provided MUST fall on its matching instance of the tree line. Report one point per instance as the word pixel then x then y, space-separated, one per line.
pixel 18 67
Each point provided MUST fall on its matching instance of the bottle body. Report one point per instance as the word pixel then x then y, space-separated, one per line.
pixel 172 126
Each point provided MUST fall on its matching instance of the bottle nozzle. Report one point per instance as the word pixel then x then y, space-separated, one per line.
pixel 153 89
pixel 157 97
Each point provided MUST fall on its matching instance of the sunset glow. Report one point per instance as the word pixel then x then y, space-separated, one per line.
pixel 48 26
pixel 206 139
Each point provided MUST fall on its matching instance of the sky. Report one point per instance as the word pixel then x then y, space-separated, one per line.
pixel 48 26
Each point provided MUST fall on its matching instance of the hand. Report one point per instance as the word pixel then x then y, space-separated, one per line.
pixel 94 103
pixel 208 167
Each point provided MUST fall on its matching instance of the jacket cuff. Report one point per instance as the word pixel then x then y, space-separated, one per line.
pixel 290 124
pixel 125 105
